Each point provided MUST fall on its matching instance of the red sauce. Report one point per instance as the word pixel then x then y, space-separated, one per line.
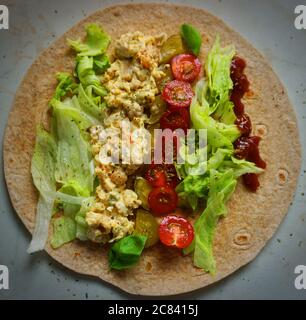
pixel 241 84
pixel 244 124
pixel 251 181
pixel 246 147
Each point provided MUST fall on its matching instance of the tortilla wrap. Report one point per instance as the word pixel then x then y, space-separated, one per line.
pixel 252 217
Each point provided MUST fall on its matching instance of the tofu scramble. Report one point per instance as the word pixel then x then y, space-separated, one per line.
pixel 131 81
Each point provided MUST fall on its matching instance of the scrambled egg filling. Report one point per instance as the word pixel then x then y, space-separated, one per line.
pixel 131 79
pixel 131 82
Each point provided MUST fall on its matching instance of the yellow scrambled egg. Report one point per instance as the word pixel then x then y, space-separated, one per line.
pixel 131 81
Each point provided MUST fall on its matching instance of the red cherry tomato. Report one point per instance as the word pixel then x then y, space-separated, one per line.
pixel 162 200
pixel 171 175
pixel 156 176
pixel 178 93
pixel 165 175
pixel 175 119
pixel 176 232
pixel 185 67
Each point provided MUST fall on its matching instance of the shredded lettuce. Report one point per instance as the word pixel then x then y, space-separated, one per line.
pixel 101 63
pixel 91 105
pixel 62 164
pixel 218 134
pixel 88 68
pixel 211 109
pixel 97 41
pixel 217 69
pixel 222 186
pixel 65 84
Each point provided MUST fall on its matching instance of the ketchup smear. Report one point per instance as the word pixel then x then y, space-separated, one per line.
pixel 246 147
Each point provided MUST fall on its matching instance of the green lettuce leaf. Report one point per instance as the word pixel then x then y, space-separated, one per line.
pixel 211 109
pixel 218 134
pixel 217 69
pixel 86 70
pixel 101 63
pixel 72 224
pixel 97 42
pixel 81 224
pixel 74 160
pixel 65 84
pixel 64 231
pixel 240 167
pixel 89 104
pixel 74 189
pixel 222 186
pixel 197 186
pixel 42 169
pixel 62 164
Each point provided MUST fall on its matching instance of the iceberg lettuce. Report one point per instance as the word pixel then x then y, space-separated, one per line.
pixel 62 164
pixel 97 41
pixel 42 169
pixel 211 109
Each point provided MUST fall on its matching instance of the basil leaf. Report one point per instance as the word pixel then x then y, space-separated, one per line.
pixel 126 252
pixel 192 38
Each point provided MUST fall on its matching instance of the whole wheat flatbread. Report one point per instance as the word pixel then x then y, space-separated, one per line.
pixel 252 218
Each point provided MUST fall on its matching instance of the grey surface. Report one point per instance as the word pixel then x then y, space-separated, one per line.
pixel 269 26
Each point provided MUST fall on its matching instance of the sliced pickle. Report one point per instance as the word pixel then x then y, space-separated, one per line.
pixel 173 46
pixel 166 69
pixel 161 106
pixel 146 225
pixel 142 188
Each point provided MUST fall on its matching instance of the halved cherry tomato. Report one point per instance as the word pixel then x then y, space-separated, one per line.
pixel 176 119
pixel 166 171
pixel 162 200
pixel 171 175
pixel 178 93
pixel 176 232
pixel 185 67
pixel 156 176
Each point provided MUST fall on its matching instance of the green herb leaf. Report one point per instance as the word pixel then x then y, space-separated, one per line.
pixel 192 38
pixel 126 252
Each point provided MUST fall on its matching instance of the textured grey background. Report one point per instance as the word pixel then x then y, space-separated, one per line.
pixel 269 26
